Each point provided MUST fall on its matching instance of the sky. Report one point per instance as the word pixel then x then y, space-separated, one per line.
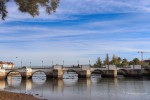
pixel 79 31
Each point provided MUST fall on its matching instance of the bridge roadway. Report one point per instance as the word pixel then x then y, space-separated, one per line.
pixel 83 71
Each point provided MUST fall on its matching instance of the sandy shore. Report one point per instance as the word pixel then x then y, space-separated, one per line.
pixel 15 96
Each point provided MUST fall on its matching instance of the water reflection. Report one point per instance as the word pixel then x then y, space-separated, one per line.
pixel 81 89
pixel 2 84
pixel 39 78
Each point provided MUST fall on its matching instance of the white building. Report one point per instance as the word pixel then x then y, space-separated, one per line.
pixel 6 65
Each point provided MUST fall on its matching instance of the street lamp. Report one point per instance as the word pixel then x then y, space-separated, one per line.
pixel 63 62
pixel 30 64
pixel 52 62
pixel 78 63
pixel 42 63
pixel 21 63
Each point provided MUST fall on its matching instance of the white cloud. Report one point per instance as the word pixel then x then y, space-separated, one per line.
pixel 81 41
pixel 68 8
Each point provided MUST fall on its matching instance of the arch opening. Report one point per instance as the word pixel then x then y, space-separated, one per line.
pixel 96 73
pixel 39 77
pixel 70 74
pixel 14 78
pixel 122 72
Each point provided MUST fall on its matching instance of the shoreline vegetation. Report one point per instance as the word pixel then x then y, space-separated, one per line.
pixel 4 95
pixel 120 62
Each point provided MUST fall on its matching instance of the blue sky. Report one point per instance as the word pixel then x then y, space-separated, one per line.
pixel 79 30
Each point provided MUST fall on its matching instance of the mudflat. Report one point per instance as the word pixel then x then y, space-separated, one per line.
pixel 16 96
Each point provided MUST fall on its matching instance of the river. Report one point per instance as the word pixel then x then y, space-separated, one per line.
pixel 72 88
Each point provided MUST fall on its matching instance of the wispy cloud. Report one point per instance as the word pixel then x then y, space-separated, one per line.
pixel 68 8
pixel 79 30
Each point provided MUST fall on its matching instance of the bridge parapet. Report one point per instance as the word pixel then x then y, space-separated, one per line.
pixel 72 68
pixel 112 67
pixel 100 68
pixel 131 67
pixel 58 67
pixel 86 67
pixel 135 66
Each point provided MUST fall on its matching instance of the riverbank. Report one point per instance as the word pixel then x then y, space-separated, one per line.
pixel 16 96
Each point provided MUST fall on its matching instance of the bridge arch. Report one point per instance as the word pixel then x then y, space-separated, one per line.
pixel 71 70
pixel 13 72
pixel 39 71
pixel 97 71
pixel 71 73
pixel 122 72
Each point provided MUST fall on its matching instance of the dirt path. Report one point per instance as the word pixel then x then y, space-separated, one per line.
pixel 14 96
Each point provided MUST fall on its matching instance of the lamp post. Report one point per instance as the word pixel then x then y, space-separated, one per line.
pixel 21 63
pixel 52 63
pixel 63 62
pixel 42 63
pixel 78 63
pixel 30 64
pixel 89 62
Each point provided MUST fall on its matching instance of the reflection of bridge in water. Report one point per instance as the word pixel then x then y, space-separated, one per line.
pixel 83 71
pixel 60 86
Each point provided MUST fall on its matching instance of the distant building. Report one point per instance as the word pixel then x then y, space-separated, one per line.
pixel 6 65
pixel 146 62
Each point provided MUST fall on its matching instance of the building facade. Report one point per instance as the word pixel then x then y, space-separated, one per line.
pixel 6 65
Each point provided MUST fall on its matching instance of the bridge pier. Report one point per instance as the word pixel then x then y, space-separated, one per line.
pixel 84 74
pixel 27 73
pixel 2 74
pixel 110 74
pixel 134 73
pixel 58 73
pixel 146 72
pixel 115 73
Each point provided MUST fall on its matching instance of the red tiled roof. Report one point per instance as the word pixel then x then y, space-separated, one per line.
pixel 9 63
pixel 146 60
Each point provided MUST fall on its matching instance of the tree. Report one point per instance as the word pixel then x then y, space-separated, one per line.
pixel 30 6
pixel 106 61
pixel 3 11
pixel 116 60
pixel 124 62
pixel 135 61
pixel 98 62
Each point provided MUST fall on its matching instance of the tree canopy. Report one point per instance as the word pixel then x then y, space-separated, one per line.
pixel 106 61
pixel 118 61
pixel 29 6
pixel 98 62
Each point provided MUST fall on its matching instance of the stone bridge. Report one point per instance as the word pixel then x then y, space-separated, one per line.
pixel 83 71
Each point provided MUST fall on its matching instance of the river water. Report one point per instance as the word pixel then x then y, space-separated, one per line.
pixel 72 88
